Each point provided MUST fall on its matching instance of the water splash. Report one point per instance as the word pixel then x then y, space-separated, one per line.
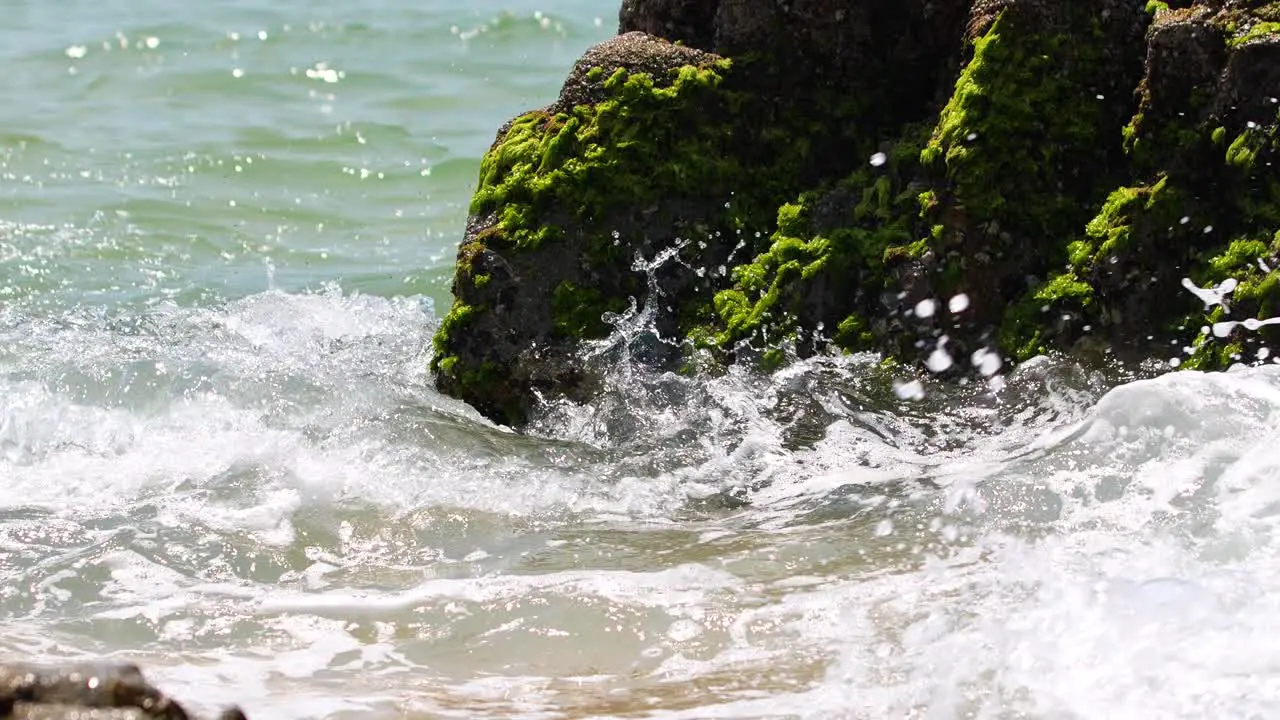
pixel 1216 295
pixel 268 495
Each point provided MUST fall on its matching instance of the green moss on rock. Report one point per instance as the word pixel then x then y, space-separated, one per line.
pixel 1067 194
pixel 1030 327
pixel 650 146
pixel 1014 115
pixel 1130 218
pixel 645 141
pixel 460 315
pixel 1028 110
pixel 579 312
pixel 1255 31
pixel 840 237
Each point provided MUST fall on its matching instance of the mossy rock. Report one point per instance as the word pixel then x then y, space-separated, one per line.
pixel 971 201
pixel 651 147
pixel 1079 173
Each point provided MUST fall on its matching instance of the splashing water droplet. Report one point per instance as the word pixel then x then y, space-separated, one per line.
pixel 987 362
pixel 879 159
pixel 940 360
pixel 908 390
pixel 926 308
pixel 958 303
pixel 1211 296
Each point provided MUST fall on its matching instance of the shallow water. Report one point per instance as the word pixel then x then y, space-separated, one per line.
pixel 221 454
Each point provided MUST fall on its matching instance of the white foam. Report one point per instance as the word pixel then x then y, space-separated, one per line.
pixel 288 510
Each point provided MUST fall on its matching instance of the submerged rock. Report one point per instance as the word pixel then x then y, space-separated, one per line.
pixel 934 180
pixel 99 691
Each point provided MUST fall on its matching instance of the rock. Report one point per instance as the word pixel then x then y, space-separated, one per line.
pixel 836 172
pixel 638 153
pixel 1198 205
pixel 651 147
pixel 689 22
pixel 99 691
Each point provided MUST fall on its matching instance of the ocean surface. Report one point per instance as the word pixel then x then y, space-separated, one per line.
pixel 226 237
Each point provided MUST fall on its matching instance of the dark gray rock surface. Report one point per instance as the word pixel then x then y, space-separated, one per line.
pixel 90 691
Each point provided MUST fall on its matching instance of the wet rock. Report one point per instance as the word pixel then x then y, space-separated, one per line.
pixel 1199 206
pixel 691 22
pixel 638 153
pixel 97 691
pixel 936 180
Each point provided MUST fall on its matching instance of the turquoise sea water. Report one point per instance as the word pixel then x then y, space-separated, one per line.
pixel 226 237
pixel 150 151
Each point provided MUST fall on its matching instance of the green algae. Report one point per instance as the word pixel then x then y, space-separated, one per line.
pixel 1262 30
pixel 459 317
pixel 578 312
pixel 638 145
pixel 1022 334
pixel 1254 139
pixel 772 295
pixel 1208 354
pixel 1128 215
pixel 1030 184
pixel 1252 263
pixel 992 166
pixel 1239 254
pixel 1014 123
